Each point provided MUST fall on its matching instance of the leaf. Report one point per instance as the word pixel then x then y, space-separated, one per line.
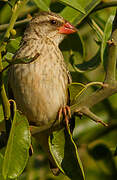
pixel 47 2
pixel 75 90
pixel 74 16
pixel 92 4
pixel 74 5
pixel 88 65
pixel 1 113
pixel 13 45
pixel 17 150
pixel 42 5
pixel 9 58
pixel 73 45
pixel 107 33
pixel 96 28
pixel 1 162
pixel 56 6
pixel 65 154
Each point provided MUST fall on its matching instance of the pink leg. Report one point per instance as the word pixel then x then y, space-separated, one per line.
pixel 66 112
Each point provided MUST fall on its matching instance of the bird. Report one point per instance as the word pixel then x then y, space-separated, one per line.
pixel 40 87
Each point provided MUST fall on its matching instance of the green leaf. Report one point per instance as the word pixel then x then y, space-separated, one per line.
pixel 73 46
pixel 42 5
pixel 75 90
pixel 1 162
pixel 65 154
pixel 1 113
pixel 107 33
pixel 17 150
pixel 90 6
pixel 13 45
pixel 9 58
pixel 47 2
pixel 88 65
pixel 74 16
pixel 74 5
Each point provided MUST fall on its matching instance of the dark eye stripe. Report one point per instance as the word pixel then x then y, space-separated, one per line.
pixel 52 22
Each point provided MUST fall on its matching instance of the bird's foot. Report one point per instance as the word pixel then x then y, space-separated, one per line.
pixel 66 112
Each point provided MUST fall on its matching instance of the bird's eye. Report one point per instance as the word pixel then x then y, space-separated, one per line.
pixel 53 22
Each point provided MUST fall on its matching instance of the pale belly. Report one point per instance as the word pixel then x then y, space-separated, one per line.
pixel 40 89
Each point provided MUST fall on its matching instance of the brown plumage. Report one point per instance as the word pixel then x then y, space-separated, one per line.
pixel 40 87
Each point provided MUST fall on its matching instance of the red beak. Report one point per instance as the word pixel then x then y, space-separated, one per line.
pixel 67 28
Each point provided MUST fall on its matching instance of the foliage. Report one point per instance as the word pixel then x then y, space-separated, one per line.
pixel 91 58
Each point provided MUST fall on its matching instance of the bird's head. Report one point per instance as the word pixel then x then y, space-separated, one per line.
pixel 51 25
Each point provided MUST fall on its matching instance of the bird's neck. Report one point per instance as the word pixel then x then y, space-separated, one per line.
pixel 53 37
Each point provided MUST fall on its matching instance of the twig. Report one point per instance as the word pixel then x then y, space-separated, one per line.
pixel 87 102
pixel 112 55
pixel 95 97
pixel 5 103
pixel 6 106
pixel 16 10
pixel 18 23
pixel 86 111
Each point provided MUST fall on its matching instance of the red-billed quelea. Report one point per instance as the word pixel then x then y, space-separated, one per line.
pixel 40 87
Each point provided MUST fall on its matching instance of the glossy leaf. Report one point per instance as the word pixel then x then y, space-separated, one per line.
pixel 17 150
pixel 9 58
pixel 13 45
pixel 1 162
pixel 75 90
pixel 88 65
pixel 1 113
pixel 90 6
pixel 56 6
pixel 73 46
pixel 65 154
pixel 74 16
pixel 47 2
pixel 107 33
pixel 74 4
pixel 42 5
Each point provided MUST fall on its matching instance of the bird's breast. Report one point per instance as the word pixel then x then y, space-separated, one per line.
pixel 40 88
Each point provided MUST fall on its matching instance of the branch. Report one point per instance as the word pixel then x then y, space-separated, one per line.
pixel 112 55
pixel 18 23
pixel 86 111
pixel 94 98
pixel 16 10
pixel 86 102
pixel 5 103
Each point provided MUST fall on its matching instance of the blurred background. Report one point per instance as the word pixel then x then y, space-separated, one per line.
pixel 96 144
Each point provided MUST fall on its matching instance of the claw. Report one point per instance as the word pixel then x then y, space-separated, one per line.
pixel 69 111
pixel 59 114
pixel 66 113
